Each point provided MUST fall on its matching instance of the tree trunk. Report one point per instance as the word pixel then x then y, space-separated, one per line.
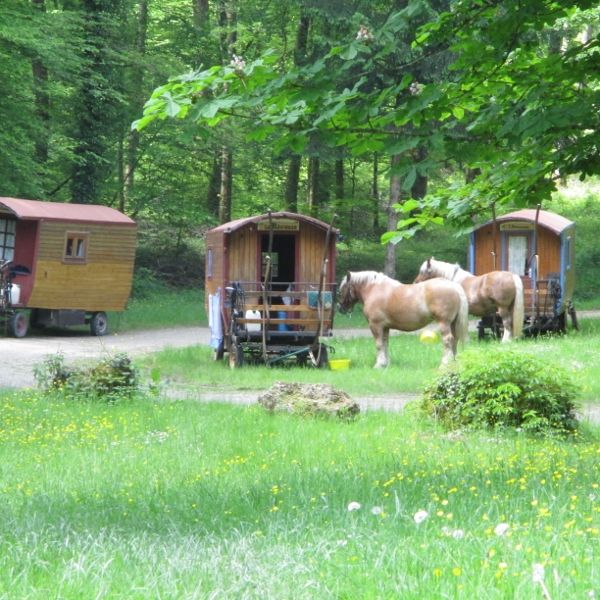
pixel 375 192
pixel 133 136
pixel 293 170
pixel 419 187
pixel 228 24
pixel 395 186
pixel 313 185
pixel 42 99
pixel 213 193
pixel 226 184
pixel 200 11
pixel 339 179
pixel 291 183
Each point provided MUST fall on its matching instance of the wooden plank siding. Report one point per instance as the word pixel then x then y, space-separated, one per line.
pixel 312 246
pixel 215 249
pixel 242 254
pixel 102 282
pixel 484 245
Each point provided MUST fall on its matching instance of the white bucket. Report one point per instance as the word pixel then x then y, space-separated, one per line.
pixel 253 314
pixel 15 293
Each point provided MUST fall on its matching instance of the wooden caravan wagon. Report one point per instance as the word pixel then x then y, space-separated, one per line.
pixel 540 247
pixel 270 288
pixel 67 263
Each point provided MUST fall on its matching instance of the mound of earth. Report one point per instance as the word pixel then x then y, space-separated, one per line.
pixel 308 399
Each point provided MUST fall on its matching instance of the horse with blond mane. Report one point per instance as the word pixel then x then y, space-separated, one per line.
pixel 500 291
pixel 389 304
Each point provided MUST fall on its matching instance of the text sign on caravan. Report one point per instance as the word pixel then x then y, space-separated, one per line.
pixel 516 226
pixel 279 225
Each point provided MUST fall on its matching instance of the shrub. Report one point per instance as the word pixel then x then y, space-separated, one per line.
pixel 111 378
pixel 503 388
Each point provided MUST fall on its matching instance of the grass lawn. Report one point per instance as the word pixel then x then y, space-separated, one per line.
pixel 156 499
pixel 152 498
pixel 414 365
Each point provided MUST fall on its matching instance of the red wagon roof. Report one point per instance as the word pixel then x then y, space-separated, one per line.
pixel 238 223
pixel 36 210
pixel 547 219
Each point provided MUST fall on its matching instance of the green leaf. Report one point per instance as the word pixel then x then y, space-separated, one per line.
pixel 458 112
pixel 350 52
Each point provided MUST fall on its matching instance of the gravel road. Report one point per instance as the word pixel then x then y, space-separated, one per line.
pixel 20 355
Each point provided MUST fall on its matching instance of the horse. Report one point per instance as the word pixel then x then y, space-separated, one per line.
pixel 390 304
pixel 500 291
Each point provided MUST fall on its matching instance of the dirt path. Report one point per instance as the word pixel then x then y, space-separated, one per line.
pixel 19 356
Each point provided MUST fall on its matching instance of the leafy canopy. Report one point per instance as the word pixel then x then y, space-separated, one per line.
pixel 480 85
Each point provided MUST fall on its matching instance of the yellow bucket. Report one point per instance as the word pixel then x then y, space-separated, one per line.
pixel 339 364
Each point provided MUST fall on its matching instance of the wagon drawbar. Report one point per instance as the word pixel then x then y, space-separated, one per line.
pixel 539 246
pixel 63 264
pixel 270 288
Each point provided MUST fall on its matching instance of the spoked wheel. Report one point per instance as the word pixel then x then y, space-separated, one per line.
pixel 99 323
pixel 320 356
pixel 17 324
pixel 236 356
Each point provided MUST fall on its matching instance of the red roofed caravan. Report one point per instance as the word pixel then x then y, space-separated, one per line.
pixel 66 263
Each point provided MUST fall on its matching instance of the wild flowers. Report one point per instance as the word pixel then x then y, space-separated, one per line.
pixel 364 35
pixel 238 63
pixel 420 516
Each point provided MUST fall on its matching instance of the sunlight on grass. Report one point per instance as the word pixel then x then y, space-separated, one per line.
pixel 153 499
pixel 413 364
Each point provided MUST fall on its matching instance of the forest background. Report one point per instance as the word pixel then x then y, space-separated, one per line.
pixel 407 119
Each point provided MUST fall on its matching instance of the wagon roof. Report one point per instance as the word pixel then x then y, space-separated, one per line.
pixel 37 210
pixel 547 219
pixel 238 223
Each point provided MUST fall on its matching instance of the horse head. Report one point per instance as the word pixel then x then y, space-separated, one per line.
pixel 425 272
pixel 346 296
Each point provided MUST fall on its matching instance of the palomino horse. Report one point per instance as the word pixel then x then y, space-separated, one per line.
pixel 389 304
pixel 500 291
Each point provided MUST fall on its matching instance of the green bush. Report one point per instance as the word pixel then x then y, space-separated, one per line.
pixel 503 388
pixel 110 379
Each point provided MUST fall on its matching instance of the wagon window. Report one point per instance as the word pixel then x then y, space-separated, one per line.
pixel 7 239
pixel 76 245
pixel 209 262
pixel 517 254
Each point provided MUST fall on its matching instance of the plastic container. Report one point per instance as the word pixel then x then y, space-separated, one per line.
pixel 281 314
pixel 339 364
pixel 253 314
pixel 15 293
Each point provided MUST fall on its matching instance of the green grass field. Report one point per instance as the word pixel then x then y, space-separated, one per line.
pixel 158 499
pixel 155 498
pixel 413 365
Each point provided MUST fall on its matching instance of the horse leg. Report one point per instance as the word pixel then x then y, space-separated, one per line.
pixel 507 322
pixel 381 335
pixel 449 341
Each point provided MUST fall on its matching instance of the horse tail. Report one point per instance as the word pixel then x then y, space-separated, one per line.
pixel 518 312
pixel 461 321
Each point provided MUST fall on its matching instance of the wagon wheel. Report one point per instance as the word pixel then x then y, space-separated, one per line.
pixel 17 324
pixel 236 355
pixel 480 331
pixel 99 324
pixel 319 356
